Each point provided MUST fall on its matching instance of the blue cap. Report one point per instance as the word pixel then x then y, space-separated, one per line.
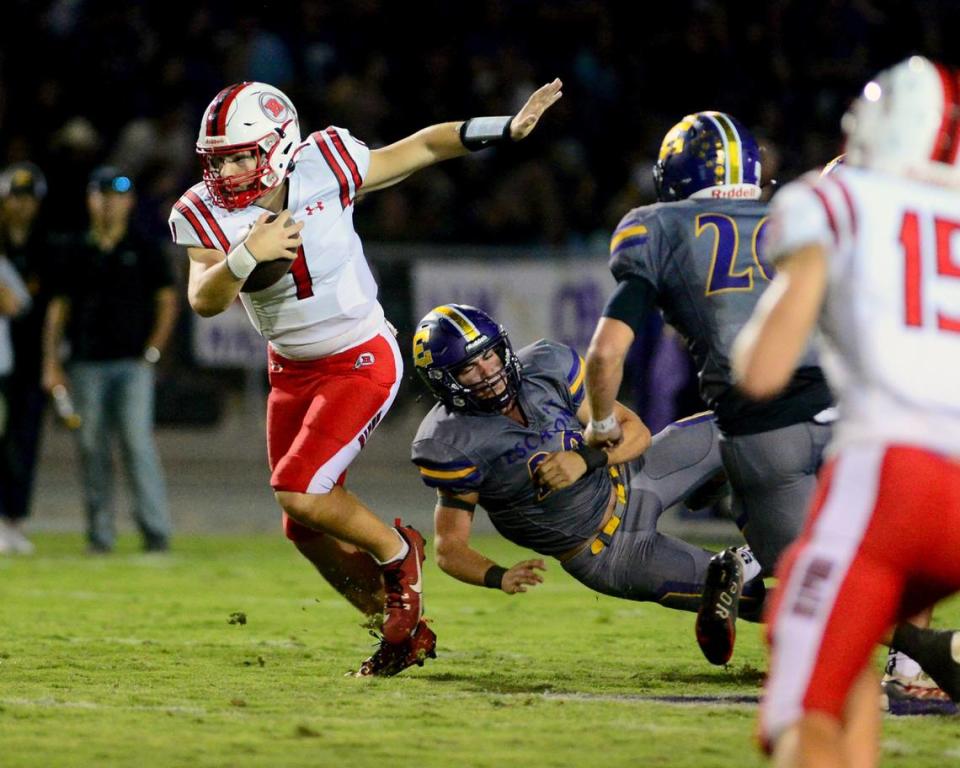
pixel 108 178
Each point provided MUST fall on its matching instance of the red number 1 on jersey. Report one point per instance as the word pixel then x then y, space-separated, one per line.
pixel 301 275
pixel 947 266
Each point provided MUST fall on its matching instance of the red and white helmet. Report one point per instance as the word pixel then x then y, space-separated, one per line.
pixel 243 117
pixel 907 121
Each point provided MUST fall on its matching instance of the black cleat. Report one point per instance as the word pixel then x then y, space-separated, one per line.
pixel 717 617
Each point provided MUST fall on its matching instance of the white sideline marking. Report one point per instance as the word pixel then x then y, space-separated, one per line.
pixel 645 698
pixel 59 704
pixel 251 642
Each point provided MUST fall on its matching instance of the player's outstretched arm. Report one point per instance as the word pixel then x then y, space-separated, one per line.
pixel 443 141
pixel 766 352
pixel 452 521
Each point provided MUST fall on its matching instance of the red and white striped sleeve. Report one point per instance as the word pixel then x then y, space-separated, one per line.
pixel 346 157
pixel 193 224
pixel 812 210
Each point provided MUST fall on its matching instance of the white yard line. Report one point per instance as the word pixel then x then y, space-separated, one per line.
pixel 51 703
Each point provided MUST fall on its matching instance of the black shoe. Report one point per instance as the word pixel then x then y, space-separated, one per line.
pixel 717 617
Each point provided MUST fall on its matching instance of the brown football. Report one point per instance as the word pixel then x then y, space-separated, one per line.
pixel 266 273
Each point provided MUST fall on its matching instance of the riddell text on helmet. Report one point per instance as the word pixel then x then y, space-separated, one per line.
pixel 732 193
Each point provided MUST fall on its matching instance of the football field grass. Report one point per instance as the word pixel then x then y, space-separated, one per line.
pixel 143 660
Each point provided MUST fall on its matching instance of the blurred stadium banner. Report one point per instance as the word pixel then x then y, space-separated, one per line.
pixel 228 340
pixel 560 299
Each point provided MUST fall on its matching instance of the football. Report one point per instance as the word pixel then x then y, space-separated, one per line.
pixel 266 273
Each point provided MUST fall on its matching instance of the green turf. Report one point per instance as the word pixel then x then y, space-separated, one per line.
pixel 130 660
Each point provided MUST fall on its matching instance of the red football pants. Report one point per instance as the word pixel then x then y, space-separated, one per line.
pixel 320 414
pixel 881 544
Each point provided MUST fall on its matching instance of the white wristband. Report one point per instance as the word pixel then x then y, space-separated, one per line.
pixel 604 425
pixel 240 262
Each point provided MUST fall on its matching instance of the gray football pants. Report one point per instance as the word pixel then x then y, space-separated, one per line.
pixel 639 563
pixel 773 475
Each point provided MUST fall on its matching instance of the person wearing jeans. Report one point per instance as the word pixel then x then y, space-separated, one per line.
pixel 115 304
pixel 116 396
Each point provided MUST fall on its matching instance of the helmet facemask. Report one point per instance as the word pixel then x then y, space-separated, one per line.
pixel 445 385
pixel 241 189
pixel 483 396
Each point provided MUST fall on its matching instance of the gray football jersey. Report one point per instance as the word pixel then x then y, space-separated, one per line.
pixel 704 260
pixel 497 457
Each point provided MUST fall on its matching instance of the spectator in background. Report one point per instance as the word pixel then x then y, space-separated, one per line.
pixel 14 299
pixel 115 303
pixel 27 247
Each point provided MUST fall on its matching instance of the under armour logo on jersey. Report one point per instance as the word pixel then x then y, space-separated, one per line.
pixel 275 367
pixel 366 358
pixel 312 209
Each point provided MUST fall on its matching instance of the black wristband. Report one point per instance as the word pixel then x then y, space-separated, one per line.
pixel 595 457
pixel 493 578
pixel 482 132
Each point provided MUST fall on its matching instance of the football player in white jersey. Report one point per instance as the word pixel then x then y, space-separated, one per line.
pixel 871 254
pixel 334 365
pixel 907 688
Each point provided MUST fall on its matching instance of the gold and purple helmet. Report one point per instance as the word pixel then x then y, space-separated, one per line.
pixel 449 337
pixel 708 155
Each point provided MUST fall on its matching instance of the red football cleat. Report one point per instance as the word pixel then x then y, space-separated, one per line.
pixel 392 658
pixel 403 582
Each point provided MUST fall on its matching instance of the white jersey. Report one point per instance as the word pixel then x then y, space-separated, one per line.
pixel 891 317
pixel 328 300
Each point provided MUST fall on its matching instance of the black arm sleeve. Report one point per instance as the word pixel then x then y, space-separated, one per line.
pixel 631 302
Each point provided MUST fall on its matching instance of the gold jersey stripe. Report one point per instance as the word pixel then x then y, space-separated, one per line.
pixel 578 382
pixel 447 474
pixel 623 234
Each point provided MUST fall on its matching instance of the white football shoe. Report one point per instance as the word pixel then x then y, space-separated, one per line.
pixel 913 695
pixel 14 539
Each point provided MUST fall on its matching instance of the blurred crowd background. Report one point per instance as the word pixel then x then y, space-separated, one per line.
pixel 88 81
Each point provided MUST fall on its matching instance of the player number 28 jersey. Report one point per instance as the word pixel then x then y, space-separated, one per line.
pixel 704 261
pixel 328 300
pixel 891 317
